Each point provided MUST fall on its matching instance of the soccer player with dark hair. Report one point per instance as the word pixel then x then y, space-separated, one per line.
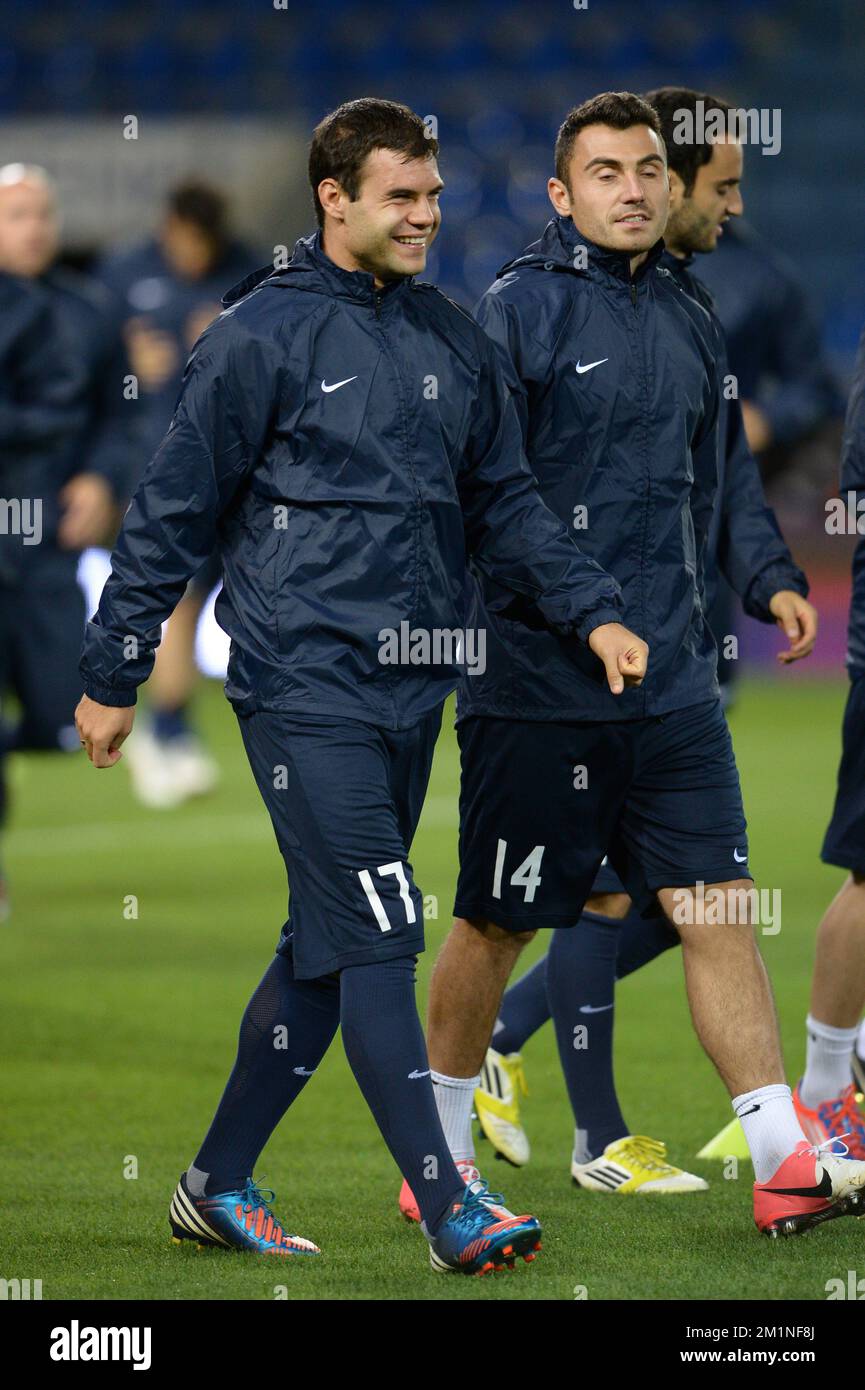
pixel 613 367
pixel 614 939
pixel 346 439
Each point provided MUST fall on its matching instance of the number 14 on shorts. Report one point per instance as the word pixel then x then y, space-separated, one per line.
pixel 527 875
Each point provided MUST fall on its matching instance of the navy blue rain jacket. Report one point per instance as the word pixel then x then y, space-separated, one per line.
pixel 745 541
pixel 616 386
pixel 346 448
pixel 43 411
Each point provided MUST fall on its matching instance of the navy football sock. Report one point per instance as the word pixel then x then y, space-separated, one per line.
pixel 287 1028
pixel 385 1046
pixel 581 981
pixel 640 940
pixel 171 723
pixel 524 1009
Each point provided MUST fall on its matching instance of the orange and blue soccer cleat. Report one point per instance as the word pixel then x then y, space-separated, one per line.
pixel 814 1184
pixel 836 1119
pixel 408 1205
pixel 473 1240
pixel 239 1220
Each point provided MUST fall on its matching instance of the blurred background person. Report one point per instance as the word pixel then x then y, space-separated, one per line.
pixel 169 289
pixel 66 443
pixel 787 389
pixel 791 402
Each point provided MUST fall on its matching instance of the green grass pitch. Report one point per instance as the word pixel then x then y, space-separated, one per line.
pixel 118 1033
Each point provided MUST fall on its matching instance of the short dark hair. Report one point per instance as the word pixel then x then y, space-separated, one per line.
pixel 688 158
pixel 204 206
pixel 621 110
pixel 342 141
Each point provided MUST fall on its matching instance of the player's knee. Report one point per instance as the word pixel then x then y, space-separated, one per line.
pixel 613 905
pixel 732 904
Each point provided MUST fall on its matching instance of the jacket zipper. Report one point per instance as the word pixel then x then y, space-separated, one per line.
pixel 377 298
pixel 633 289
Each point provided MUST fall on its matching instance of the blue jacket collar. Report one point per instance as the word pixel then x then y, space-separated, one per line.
pixel 556 247
pixel 310 269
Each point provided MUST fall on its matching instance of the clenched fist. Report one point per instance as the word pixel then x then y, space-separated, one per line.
pixel 102 729
pixel 623 653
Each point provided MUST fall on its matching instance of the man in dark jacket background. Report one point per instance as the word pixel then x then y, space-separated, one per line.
pixel 614 371
pixel 74 455
pixel 345 436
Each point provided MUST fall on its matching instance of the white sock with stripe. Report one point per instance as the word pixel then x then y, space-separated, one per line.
pixel 455 1098
pixel 771 1128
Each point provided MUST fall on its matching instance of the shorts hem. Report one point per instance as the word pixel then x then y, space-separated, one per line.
pixel 839 860
pixel 553 920
pixel 364 955
pixel 524 922
pixel 710 877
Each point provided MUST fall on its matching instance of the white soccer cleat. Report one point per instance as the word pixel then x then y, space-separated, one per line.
pixel 635 1164
pixel 165 773
pixel 194 771
pixel 498 1108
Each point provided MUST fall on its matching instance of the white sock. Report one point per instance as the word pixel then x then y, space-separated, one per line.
pixel 454 1098
pixel 860 1044
pixel 830 1058
pixel 771 1128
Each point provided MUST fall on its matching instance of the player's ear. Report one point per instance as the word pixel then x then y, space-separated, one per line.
pixel 559 197
pixel 677 190
pixel 332 197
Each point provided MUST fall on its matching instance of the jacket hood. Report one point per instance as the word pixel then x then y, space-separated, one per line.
pixel 310 269
pixel 555 248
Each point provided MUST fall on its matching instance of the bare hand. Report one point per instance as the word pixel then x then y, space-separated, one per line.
pixel 102 729
pixel 797 619
pixel 89 512
pixel 623 653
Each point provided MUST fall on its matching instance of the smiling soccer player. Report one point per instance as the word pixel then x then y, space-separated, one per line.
pixel 343 497
pixel 613 368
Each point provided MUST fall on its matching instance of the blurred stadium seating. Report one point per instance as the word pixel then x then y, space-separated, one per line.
pixel 230 85
pixel 498 76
